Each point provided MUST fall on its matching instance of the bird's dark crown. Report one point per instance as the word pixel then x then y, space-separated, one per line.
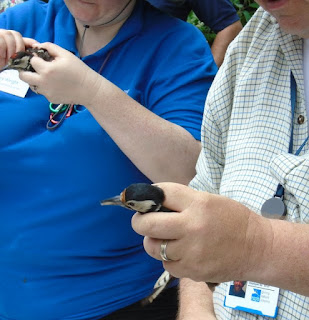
pixel 143 197
pixel 144 191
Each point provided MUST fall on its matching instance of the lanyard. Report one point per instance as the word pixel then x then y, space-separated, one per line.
pixel 274 207
pixel 280 190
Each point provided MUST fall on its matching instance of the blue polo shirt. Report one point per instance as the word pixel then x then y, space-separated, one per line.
pixel 62 255
pixel 216 14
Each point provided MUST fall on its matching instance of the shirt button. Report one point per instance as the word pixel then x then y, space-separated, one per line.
pixel 300 119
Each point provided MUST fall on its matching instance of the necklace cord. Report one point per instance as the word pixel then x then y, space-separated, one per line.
pixel 87 27
pixel 118 14
pixel 280 189
pixel 81 45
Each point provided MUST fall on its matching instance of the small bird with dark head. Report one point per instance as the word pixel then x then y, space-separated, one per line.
pixel 21 60
pixel 141 197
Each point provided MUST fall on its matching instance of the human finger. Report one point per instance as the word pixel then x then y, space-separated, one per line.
pixel 3 53
pixel 178 197
pixel 38 64
pixel 7 44
pixel 17 43
pixel 164 250
pixel 32 78
pixel 52 48
pixel 14 42
pixel 159 225
pixel 29 42
pixel 166 225
pixel 173 254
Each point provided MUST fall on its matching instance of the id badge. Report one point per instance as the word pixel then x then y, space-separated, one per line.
pixel 252 297
pixel 10 83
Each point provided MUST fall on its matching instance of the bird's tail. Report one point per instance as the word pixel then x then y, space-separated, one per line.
pixel 162 283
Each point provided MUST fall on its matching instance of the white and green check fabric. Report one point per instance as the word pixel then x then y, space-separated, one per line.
pixel 246 132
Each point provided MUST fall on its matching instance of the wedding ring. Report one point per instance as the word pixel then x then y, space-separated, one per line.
pixel 163 255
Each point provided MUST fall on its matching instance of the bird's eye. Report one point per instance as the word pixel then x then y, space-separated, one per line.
pixel 130 203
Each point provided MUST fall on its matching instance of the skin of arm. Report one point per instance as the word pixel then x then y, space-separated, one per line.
pixel 223 39
pixel 160 149
pixel 195 301
pixel 216 239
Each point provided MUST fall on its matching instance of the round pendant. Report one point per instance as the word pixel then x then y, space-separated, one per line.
pixel 274 208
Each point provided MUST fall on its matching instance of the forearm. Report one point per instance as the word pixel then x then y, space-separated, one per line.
pixel 195 301
pixel 160 149
pixel 217 239
pixel 222 40
pixel 279 254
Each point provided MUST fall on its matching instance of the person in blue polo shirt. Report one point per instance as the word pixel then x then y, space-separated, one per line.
pixel 133 98
pixel 219 15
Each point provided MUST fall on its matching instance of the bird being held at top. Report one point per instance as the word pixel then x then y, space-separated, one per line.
pixel 21 60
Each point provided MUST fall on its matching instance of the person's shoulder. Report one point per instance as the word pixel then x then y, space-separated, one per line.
pixel 260 21
pixel 245 48
pixel 259 28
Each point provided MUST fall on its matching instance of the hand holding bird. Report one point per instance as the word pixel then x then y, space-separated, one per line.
pixel 66 80
pixel 145 198
pixel 211 238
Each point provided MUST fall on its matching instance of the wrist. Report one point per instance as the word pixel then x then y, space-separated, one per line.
pixel 260 237
pixel 195 301
pixel 91 92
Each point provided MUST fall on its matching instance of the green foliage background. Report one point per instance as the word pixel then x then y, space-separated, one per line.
pixel 245 10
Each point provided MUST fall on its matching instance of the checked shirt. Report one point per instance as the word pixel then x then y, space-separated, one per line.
pixel 246 132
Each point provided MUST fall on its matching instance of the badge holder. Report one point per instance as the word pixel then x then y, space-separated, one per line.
pixel 274 208
pixel 253 297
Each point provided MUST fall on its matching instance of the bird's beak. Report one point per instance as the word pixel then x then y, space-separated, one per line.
pixel 115 201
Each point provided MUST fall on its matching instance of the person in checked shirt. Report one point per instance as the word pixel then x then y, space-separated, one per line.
pixel 254 147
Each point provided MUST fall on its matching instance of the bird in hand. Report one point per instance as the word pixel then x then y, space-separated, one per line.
pixel 21 60
pixel 143 198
